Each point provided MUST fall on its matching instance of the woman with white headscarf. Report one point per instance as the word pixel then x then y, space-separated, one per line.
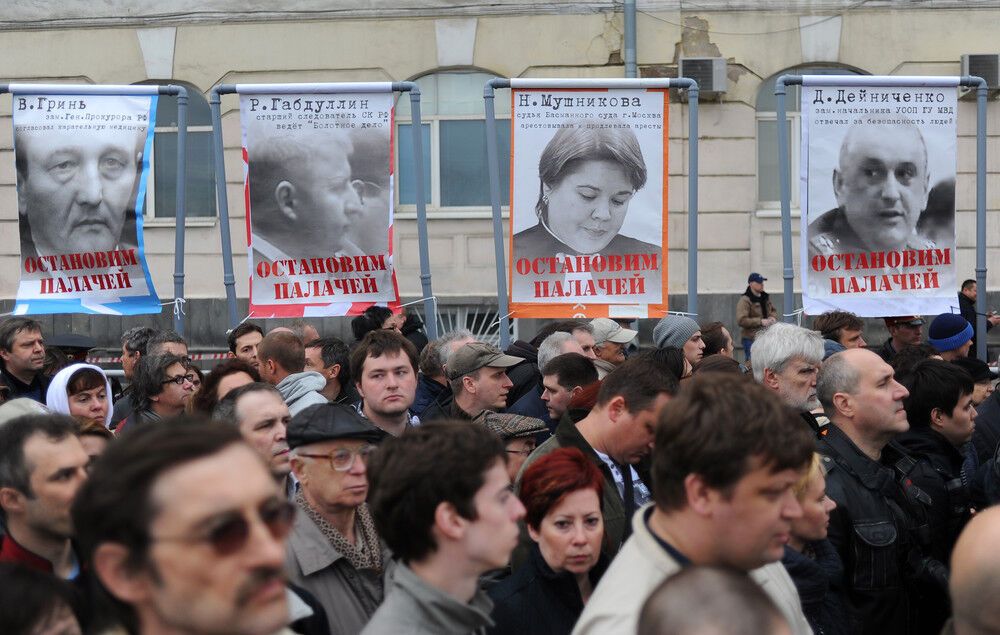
pixel 81 391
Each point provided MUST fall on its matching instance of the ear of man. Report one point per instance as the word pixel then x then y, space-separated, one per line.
pixel 448 522
pixel 11 500
pixel 284 195
pixel 111 564
pixel 700 497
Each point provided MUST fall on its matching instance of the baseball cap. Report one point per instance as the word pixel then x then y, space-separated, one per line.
pixel 906 320
pixel 328 421
pixel 476 355
pixel 755 277
pixel 607 330
pixel 509 426
pixel 979 369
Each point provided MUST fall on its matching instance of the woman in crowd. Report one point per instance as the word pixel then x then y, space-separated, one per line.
pixel 83 392
pixel 812 561
pixel 561 493
pixel 374 318
pixel 588 174
pixel 227 375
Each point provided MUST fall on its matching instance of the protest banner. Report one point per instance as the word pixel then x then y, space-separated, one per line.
pixel 318 188
pixel 878 199
pixel 82 162
pixel 588 203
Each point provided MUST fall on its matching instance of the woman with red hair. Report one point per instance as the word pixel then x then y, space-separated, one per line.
pixel 561 493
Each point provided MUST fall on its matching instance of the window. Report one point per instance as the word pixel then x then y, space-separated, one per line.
pixel 768 182
pixel 161 193
pixel 454 143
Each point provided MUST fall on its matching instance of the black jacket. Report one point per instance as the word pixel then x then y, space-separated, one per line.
pixel 525 376
pixel 535 600
pixel 986 436
pixel 968 310
pixel 428 392
pixel 880 530
pixel 35 390
pixel 944 483
pixel 820 582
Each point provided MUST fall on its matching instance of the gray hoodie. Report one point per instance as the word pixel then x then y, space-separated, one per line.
pixel 301 390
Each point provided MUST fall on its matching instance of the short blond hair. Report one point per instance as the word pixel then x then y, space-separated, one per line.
pixel 815 470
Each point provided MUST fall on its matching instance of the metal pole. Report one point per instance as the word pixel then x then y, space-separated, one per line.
pixel 631 70
pixel 980 85
pixel 788 271
pixel 692 195
pixel 493 163
pixel 418 169
pixel 222 198
pixel 179 209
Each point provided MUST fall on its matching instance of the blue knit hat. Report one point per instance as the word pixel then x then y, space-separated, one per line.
pixel 949 331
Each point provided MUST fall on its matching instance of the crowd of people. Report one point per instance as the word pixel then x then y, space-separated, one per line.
pixel 576 483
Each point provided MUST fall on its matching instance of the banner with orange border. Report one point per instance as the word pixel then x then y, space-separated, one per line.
pixel 318 185
pixel 588 200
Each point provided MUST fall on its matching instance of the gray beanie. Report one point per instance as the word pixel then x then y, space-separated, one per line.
pixel 674 330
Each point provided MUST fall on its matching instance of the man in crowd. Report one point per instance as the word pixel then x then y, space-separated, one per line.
pixel 583 333
pixel 717 339
pixel 329 357
pixel 304 330
pixel 243 342
pixel 334 550
pixel 433 396
pixel 754 311
pixel 477 372
pixel 951 336
pixel 134 347
pixel 448 520
pixel 787 361
pixel 532 403
pixel 616 435
pixel 722 491
pixel 881 185
pixel 182 528
pixel 163 386
pixel 384 368
pixel 22 350
pixel 262 418
pixel 680 331
pixel 875 526
pixel 282 364
pixel 967 307
pixel 562 379
pixel 974 582
pixel 610 339
pixel 904 330
pixel 983 378
pixel 42 465
pixel 842 327
pixel 170 342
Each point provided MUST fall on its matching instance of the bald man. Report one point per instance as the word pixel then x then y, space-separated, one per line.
pixel 975 583
pixel 882 185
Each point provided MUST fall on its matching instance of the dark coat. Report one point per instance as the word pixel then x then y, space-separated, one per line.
pixel 428 391
pixel 535 600
pixel 986 436
pixel 35 390
pixel 820 583
pixel 968 309
pixel 525 376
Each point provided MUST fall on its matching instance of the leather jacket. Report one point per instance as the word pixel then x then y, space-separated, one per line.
pixel 880 530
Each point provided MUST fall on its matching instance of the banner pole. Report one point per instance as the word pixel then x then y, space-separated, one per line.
pixel 180 208
pixel 692 95
pixel 788 271
pixel 493 163
pixel 981 330
pixel 418 169
pixel 222 198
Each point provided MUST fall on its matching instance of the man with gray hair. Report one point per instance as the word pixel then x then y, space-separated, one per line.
pixel 261 415
pixel 680 331
pixel 531 404
pixel 134 347
pixel 434 397
pixel 787 359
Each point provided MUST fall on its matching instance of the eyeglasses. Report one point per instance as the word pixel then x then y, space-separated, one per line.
pixel 343 459
pixel 190 378
pixel 231 531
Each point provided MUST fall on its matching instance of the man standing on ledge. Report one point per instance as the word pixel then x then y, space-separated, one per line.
pixel 967 307
pixel 754 311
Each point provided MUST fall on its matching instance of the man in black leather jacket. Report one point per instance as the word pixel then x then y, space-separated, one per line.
pixel 879 526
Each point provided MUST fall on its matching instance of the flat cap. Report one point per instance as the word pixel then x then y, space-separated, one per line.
pixel 908 320
pixel 607 330
pixel 509 426
pixel 475 355
pixel 329 421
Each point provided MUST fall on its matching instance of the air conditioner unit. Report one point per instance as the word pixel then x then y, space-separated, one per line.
pixel 985 65
pixel 709 72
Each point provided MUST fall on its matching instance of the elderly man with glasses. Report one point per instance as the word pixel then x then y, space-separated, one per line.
pixel 334 551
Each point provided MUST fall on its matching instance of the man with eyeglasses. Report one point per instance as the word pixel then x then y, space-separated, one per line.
pixel 182 529
pixel 334 551
pixel 163 385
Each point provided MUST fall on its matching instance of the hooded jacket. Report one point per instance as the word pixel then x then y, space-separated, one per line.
pixel 301 390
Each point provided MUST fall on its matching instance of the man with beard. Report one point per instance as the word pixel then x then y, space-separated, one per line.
pixel 42 466
pixel 384 368
pixel 787 362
